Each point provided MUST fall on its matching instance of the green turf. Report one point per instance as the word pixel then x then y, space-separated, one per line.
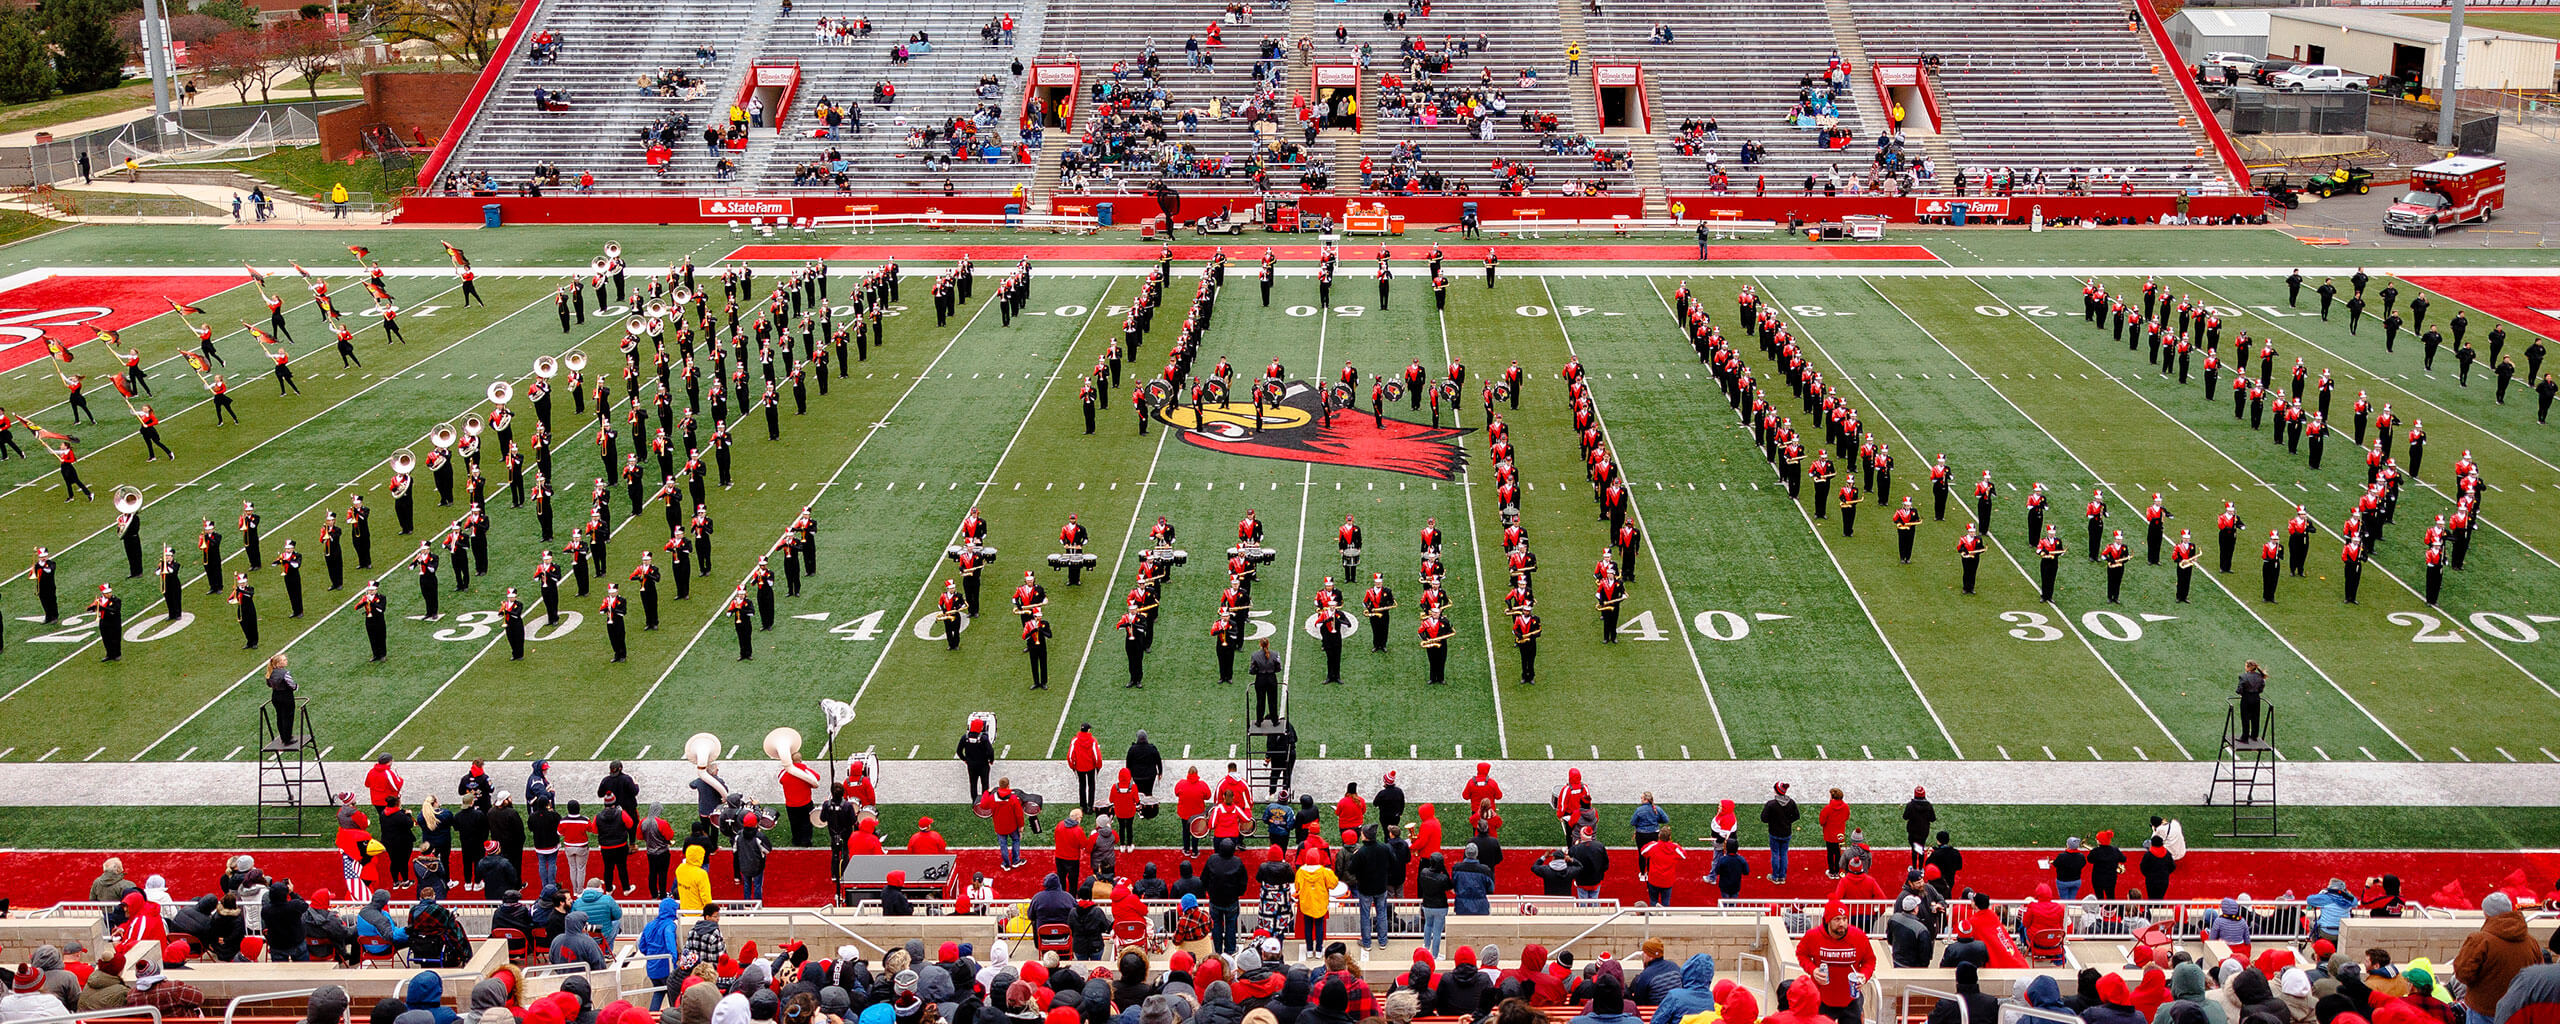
pixel 17 227
pixel 1755 629
pixel 1972 825
pixel 303 171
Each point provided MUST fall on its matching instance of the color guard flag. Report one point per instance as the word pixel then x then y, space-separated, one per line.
pixel 184 309
pixel 195 361
pixel 58 349
pixel 123 386
pixel 254 273
pixel 459 260
pixel 360 251
pixel 263 337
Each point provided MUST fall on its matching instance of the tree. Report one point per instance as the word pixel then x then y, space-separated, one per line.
pixel 26 70
pixel 240 15
pixel 86 49
pixel 308 47
pixel 241 61
pixel 466 30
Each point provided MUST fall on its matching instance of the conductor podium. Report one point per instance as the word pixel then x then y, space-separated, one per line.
pixel 2246 764
pixel 289 762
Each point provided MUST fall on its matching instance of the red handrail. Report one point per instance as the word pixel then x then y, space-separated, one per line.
pixel 479 94
pixel 2195 99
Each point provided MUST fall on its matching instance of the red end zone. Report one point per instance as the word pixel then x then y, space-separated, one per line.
pixel 2530 303
pixel 73 309
pixel 1247 250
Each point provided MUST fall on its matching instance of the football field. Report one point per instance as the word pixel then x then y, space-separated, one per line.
pixel 1753 628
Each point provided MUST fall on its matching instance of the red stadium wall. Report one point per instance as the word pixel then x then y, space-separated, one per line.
pixel 1128 210
pixel 1909 209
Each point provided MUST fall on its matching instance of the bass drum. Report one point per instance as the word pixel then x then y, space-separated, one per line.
pixel 1214 391
pixel 1339 395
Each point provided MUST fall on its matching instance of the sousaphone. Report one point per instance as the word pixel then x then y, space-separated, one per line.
pixel 783 744
pixel 702 750
pixel 404 462
pixel 546 367
pixel 128 499
pixel 443 436
pixel 502 392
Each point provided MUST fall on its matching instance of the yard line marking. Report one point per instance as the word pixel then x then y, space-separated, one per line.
pixel 191 752
pixel 93 755
pixel 2502 751
pixel 48 754
pixel 2441 410
pixel 413 755
pixel 1298 555
pixel 2457 752
pixel 260 671
pixel 1475 548
pixel 643 755
pixel 2094 755
pixel 502 755
pixel 2004 752
pixel 199 480
pixel 2122 498
pixel 2048 754
pixel 2455 622
pixel 872 432
pixel 235 752
pixel 2137 752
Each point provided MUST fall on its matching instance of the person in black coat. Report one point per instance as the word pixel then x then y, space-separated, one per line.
pixel 1591 862
pixel 497 871
pixel 2105 864
pixel 1092 927
pixel 1970 1004
pixel 506 828
pixel 282 921
pixel 1145 764
pixel 471 834
pixel 1555 871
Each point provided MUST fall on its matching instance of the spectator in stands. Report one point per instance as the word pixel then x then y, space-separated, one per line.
pixel 2329 908
pixel 106 989
pixel 575 945
pixel 1694 994
pixel 703 943
pixel 2534 997
pixel 1913 941
pixel 1970 1004
pixel 2492 957
pixel 376 933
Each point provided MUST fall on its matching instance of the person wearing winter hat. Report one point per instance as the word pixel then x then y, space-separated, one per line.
pixel 328 1005
pixel 1970 1003
pixel 174 998
pixel 2492 957
pixel 27 999
pixel 2067 868
pixel 1839 959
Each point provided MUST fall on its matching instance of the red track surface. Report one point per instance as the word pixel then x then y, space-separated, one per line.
pixel 73 309
pixel 798 877
pixel 1247 250
pixel 2530 303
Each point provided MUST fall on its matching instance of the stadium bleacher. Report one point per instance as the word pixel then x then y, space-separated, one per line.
pixel 961 76
pixel 1738 62
pixel 1508 41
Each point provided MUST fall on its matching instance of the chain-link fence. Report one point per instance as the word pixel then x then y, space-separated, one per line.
pixel 195 135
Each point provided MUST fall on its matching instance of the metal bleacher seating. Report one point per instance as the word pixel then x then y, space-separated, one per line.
pixel 1739 62
pixel 1099 34
pixel 604 46
pixel 2059 85
pixel 932 88
pixel 1516 38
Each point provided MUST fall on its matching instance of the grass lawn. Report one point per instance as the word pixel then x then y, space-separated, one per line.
pixel 118 204
pixel 2545 25
pixel 1975 825
pixel 16 226
pixel 21 117
pixel 305 172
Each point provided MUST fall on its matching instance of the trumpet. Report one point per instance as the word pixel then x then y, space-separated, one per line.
pixel 128 499
pixel 404 462
pixel 613 250
pixel 545 367
pixel 577 361
pixel 502 392
pixel 443 436
pixel 702 749
pixel 472 425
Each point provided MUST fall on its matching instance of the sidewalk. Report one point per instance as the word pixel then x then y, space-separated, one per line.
pixel 71 783
pixel 73 129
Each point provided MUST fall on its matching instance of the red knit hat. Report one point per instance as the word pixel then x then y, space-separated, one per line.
pixel 1467 955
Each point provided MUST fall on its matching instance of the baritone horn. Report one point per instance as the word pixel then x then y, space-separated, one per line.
pixel 783 744
pixel 472 425
pixel 502 392
pixel 546 367
pixel 404 462
pixel 577 361
pixel 702 749
pixel 128 499
pixel 443 436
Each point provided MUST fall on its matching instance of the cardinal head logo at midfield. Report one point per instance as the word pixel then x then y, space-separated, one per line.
pixel 1293 430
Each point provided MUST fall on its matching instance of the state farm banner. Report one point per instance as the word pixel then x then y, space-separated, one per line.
pixel 745 207
pixel 1338 74
pixel 1615 74
pixel 1055 74
pixel 1898 74
pixel 1974 206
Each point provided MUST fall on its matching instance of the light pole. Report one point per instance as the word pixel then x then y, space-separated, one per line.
pixel 2449 90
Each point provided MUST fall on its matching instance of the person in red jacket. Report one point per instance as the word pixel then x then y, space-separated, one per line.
pixel 1002 808
pixel 1350 813
pixel 383 784
pixel 1573 802
pixel 857 785
pixel 865 840
pixel 800 798
pixel 1481 791
pixel 2042 921
pixel 1190 800
pixel 1084 757
pixel 1804 1005
pixel 1068 849
pixel 1835 829
pixel 1839 959
pixel 926 840
pixel 1124 806
pixel 1426 833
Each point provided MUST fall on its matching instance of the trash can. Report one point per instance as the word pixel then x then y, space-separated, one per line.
pixel 1955 213
pixel 1102 214
pixel 1012 215
pixel 490 215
